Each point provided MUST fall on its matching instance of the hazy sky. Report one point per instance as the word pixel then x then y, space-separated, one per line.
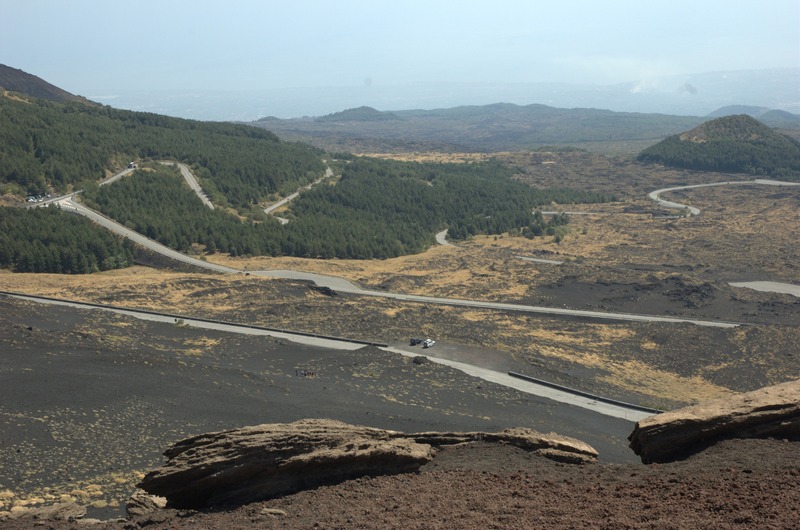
pixel 87 46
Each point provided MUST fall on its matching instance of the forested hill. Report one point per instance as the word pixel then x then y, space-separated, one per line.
pixel 64 145
pixel 738 144
pixel 359 114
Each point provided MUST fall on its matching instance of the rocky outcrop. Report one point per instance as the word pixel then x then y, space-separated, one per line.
pixel 552 446
pixel 265 461
pixel 141 504
pixel 772 411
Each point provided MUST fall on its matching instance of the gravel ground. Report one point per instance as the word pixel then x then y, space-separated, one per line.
pixel 735 484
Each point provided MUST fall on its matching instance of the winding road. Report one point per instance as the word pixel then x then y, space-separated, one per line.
pixel 342 285
pixel 441 239
pixel 68 203
pixel 764 286
pixel 656 195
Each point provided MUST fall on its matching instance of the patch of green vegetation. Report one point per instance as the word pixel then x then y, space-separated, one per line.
pixel 64 145
pixel 378 209
pixel 739 144
pixel 47 240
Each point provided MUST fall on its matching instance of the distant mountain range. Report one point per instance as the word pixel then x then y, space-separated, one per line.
pixel 498 127
pixel 683 95
pixel 778 119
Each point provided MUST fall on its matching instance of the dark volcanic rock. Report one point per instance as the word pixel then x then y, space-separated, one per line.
pixel 141 503
pixel 772 411
pixel 243 465
pixel 266 461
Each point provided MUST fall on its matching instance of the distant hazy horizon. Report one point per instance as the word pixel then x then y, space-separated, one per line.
pixel 691 95
pixel 388 51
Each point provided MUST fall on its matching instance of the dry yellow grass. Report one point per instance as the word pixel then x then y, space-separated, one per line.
pixel 639 377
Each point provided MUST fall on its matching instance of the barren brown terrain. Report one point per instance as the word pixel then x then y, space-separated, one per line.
pixel 626 256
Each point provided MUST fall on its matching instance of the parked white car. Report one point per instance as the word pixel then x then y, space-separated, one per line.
pixel 428 343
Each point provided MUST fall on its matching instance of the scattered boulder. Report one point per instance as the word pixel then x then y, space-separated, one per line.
pixel 142 503
pixel 773 411
pixel 257 463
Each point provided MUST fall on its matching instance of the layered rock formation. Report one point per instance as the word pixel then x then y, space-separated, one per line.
pixel 772 411
pixel 261 462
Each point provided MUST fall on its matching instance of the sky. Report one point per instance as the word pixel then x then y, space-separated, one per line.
pixel 89 47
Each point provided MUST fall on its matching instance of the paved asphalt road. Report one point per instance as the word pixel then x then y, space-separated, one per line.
pixel 656 195
pixel 441 238
pixel 188 176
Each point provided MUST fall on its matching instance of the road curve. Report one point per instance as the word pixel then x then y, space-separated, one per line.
pixel 691 210
pixel 441 239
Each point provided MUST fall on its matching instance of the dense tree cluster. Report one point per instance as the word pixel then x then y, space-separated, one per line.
pixel 738 144
pixel 48 240
pixel 161 206
pixel 541 226
pixel 378 209
pixel 67 144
